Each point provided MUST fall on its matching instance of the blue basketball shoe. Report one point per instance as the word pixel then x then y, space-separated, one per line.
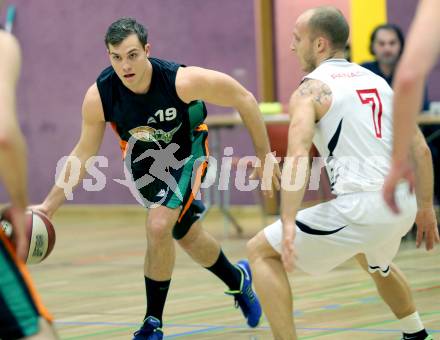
pixel 245 298
pixel 150 330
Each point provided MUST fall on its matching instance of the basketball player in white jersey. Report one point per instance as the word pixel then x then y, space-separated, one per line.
pixel 345 110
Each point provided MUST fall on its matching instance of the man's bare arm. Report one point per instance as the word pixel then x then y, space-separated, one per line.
pixel 424 171
pixel 92 132
pixel 426 219
pixel 193 83
pixel 411 74
pixel 308 104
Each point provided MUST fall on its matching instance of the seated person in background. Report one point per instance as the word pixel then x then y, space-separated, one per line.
pixel 386 44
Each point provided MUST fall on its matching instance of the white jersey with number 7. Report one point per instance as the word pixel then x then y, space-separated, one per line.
pixel 355 135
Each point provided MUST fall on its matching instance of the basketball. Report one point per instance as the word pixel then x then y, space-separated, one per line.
pixel 40 234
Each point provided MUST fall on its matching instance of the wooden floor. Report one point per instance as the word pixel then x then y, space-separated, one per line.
pixel 93 284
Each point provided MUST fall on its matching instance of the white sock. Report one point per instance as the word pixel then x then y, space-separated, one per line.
pixel 411 323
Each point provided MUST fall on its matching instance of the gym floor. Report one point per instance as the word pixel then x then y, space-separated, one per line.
pixel 93 285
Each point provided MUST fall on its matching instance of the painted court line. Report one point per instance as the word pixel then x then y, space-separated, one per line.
pixel 199 331
pixel 209 328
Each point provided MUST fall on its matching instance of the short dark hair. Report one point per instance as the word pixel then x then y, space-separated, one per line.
pixel 330 22
pixel 390 27
pixel 122 28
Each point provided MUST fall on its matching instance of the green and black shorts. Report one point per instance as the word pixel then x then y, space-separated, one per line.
pixel 20 305
pixel 187 182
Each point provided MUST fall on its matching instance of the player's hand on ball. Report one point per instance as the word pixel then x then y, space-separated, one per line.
pixel 43 209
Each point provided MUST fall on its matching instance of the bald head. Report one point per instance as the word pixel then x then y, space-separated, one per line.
pixel 329 22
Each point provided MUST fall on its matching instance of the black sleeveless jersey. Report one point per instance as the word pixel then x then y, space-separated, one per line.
pixel 152 120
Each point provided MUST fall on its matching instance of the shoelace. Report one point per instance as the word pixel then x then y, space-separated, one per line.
pixel 239 302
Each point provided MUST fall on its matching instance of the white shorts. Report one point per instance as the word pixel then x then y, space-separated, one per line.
pixel 330 233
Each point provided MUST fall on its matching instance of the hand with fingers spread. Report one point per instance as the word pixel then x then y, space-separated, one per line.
pixel 427 228
pixel 398 172
pixel 288 254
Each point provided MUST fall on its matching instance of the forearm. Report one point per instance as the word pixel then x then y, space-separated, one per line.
pixel 70 176
pixel 253 120
pixel 290 204
pixel 407 105
pixel 424 174
pixel 296 172
pixel 411 74
pixel 13 165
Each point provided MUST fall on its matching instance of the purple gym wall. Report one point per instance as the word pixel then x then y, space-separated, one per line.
pixel 63 52
pixel 401 12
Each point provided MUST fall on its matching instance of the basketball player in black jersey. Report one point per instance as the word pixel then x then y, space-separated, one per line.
pixel 151 104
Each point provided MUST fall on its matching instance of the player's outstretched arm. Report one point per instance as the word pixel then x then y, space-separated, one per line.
pixel 421 52
pixel 195 83
pixel 426 219
pixel 92 132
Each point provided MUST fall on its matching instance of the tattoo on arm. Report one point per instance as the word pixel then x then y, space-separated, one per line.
pixel 321 92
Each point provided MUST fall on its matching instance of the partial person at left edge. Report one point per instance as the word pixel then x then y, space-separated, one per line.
pixel 22 315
